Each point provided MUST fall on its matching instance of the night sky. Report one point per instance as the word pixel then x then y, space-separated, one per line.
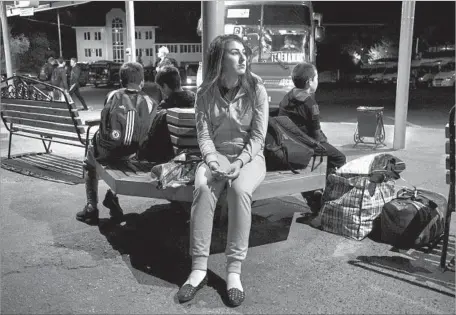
pixel 177 20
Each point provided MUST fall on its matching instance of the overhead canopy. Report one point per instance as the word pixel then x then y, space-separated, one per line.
pixel 14 8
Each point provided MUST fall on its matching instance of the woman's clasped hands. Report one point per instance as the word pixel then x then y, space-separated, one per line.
pixel 231 172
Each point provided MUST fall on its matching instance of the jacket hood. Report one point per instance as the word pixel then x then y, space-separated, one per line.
pixel 299 94
pixel 182 99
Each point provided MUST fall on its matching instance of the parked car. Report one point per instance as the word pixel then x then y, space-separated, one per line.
pixel 376 75
pixel 390 75
pixel 362 76
pixel 104 72
pixel 189 75
pixel 426 73
pixel 446 76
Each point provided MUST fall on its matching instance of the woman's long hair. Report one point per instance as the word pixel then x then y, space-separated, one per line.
pixel 214 66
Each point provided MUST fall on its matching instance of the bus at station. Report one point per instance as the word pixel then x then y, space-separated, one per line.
pixel 279 35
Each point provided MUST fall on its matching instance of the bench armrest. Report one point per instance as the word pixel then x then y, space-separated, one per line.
pixel 93 122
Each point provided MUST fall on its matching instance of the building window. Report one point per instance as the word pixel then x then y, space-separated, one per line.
pixel 88 52
pixel 137 35
pixel 98 52
pixel 97 35
pixel 117 40
pixel 87 35
pixel 138 52
pixel 148 34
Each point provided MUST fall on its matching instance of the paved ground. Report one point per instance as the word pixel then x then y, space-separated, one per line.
pixel 53 264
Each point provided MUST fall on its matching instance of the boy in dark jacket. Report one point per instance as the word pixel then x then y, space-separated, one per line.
pixel 169 80
pixel 158 148
pixel 301 107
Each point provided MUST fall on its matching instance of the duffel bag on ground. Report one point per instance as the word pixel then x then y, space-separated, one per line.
pixel 352 204
pixel 415 218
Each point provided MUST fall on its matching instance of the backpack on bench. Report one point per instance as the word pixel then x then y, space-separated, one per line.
pixel 287 147
pixel 125 122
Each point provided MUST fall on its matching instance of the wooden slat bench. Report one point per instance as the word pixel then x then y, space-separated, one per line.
pixel 134 178
pixel 30 112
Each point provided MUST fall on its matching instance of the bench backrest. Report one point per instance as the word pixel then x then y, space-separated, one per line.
pixel 57 116
pixel 27 106
pixel 182 127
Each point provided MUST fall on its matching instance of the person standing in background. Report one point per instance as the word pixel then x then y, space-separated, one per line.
pixel 74 82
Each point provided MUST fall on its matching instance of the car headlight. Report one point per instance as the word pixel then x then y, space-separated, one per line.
pixel 189 81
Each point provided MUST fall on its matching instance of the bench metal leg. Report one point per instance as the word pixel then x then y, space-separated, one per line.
pixel 47 147
pixel 9 144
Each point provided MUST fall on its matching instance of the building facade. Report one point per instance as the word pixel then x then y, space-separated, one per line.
pixel 109 42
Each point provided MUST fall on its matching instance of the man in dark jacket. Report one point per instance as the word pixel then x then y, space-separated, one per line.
pixel 59 79
pixel 164 60
pixel 74 82
pixel 47 69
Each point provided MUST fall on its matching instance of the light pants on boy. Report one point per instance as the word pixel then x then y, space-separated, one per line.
pixel 239 197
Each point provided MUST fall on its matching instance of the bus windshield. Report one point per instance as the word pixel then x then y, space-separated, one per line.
pixel 275 33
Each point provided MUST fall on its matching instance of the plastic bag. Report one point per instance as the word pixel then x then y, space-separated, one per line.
pixel 178 172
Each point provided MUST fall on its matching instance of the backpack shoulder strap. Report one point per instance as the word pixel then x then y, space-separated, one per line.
pixel 272 124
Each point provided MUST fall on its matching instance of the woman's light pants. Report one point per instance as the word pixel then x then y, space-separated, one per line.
pixel 239 197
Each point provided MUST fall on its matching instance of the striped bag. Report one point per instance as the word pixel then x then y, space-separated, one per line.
pixel 352 204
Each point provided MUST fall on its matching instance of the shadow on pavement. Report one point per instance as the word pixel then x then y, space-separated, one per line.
pixel 157 241
pixel 410 271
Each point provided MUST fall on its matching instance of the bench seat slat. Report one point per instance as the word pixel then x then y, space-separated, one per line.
pixel 41 110
pixel 61 105
pixel 276 184
pixel 43 124
pixel 42 117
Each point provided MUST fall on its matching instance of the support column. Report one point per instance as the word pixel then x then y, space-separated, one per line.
pixel 130 15
pixel 403 74
pixel 213 18
pixel 60 34
pixel 6 40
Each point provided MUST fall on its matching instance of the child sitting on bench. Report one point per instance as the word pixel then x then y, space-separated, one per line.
pixel 301 107
pixel 125 122
pixel 169 80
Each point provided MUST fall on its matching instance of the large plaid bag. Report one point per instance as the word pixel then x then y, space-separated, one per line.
pixel 352 204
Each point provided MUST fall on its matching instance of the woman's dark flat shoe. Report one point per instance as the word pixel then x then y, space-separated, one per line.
pixel 235 297
pixel 188 292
